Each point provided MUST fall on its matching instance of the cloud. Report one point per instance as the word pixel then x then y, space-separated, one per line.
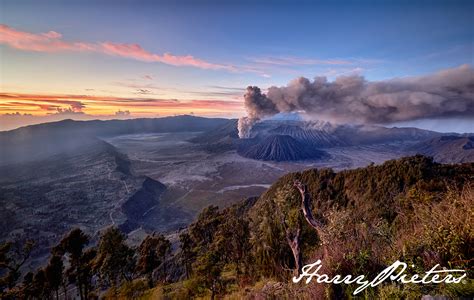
pixel 265 66
pixel 143 92
pixel 133 85
pixel 14 120
pixel 17 113
pixel 298 61
pixel 219 92
pixel 334 72
pixel 10 101
pixel 53 42
pixel 353 99
pixel 227 88
pixel 18 101
pixel 122 113
pixel 211 92
pixel 135 51
pixel 67 111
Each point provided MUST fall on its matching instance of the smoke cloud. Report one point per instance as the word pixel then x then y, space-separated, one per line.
pixel 353 99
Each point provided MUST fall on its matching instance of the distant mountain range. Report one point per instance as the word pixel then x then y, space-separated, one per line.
pixel 278 140
pixel 41 141
pixel 294 140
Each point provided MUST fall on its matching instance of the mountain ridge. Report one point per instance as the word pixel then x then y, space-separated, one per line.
pixel 447 148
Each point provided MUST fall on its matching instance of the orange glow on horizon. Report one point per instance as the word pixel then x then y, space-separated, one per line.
pixel 41 105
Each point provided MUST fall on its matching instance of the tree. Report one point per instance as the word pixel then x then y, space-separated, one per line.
pixel 199 237
pixel 86 270
pixel 233 237
pixel 152 254
pixel 199 245
pixel 114 261
pixel 40 285
pixel 208 269
pixel 27 286
pixel 280 234
pixel 73 244
pixel 308 214
pixel 187 253
pixel 291 222
pixel 12 257
pixel 54 273
pixel 202 231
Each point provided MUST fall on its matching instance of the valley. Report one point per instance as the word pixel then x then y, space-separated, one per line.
pixel 157 175
pixel 196 178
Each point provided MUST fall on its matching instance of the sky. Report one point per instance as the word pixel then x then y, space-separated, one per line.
pixel 129 59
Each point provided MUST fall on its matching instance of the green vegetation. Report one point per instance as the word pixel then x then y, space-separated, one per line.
pixel 412 210
pixel 152 254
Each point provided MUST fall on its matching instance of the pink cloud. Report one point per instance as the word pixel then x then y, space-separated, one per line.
pixel 291 61
pixel 52 42
pixel 135 51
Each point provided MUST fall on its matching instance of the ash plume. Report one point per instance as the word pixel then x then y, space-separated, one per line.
pixel 258 106
pixel 353 99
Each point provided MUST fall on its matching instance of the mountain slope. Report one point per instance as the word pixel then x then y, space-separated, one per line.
pixel 143 199
pixel 224 131
pixel 43 198
pixel 308 135
pixel 411 210
pixel 91 186
pixel 281 148
pixel 447 149
pixel 220 139
pixel 370 217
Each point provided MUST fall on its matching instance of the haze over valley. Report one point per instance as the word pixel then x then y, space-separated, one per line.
pixel 145 178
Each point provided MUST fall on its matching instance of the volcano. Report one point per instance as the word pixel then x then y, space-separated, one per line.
pixel 280 148
pixel 320 137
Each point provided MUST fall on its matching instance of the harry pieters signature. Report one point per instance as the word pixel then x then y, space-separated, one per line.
pixel 394 272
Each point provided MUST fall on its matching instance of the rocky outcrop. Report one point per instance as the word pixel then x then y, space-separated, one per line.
pixel 143 200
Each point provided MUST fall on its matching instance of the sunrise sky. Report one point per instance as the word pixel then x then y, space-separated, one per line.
pixel 125 59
